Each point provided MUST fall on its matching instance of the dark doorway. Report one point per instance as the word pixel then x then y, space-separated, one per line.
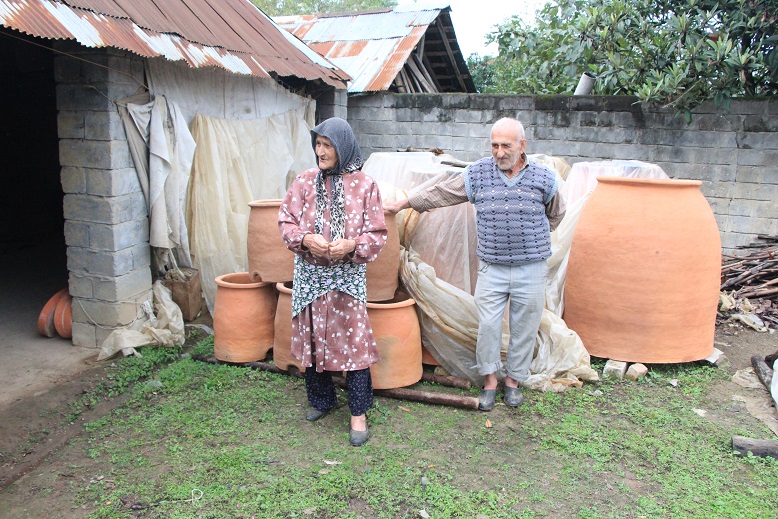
pixel 33 263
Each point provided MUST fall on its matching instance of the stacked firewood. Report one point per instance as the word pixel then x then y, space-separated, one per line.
pixel 754 277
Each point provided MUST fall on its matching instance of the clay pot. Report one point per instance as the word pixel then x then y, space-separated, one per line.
pixel 282 342
pixel 243 314
pixel 63 316
pixel 644 272
pixel 383 273
pixel 427 358
pixel 396 329
pixel 269 259
pixel 46 317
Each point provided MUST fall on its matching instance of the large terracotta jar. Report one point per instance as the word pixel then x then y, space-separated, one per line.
pixel 282 342
pixel 396 329
pixel 243 314
pixel 383 273
pixel 644 272
pixel 269 259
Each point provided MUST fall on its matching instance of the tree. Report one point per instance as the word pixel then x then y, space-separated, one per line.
pixel 677 53
pixel 287 7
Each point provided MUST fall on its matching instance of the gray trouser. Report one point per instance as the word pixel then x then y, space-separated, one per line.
pixel 524 285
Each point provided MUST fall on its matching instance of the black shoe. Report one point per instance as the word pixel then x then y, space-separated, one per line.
pixel 358 438
pixel 486 399
pixel 513 396
pixel 313 414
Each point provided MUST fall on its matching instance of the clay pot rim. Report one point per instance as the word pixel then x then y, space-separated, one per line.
pixel 222 282
pixel 380 305
pixel 669 182
pixel 270 202
pixel 409 301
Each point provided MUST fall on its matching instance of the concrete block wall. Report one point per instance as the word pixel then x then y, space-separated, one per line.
pixel 106 220
pixel 333 103
pixel 734 153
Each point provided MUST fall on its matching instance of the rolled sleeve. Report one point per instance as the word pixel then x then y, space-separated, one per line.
pixel 450 191
pixel 555 210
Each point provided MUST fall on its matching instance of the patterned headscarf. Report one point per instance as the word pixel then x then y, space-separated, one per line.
pixel 342 137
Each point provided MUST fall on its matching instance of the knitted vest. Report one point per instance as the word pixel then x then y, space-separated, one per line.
pixel 511 213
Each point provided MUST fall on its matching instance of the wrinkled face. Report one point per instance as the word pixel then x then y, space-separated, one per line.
pixel 325 153
pixel 507 146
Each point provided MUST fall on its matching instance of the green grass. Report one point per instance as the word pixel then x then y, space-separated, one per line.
pixel 220 441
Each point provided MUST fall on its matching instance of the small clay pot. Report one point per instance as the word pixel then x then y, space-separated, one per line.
pixel 644 272
pixel 398 335
pixel 282 342
pixel 243 314
pixel 427 358
pixel 383 273
pixel 269 258
pixel 63 316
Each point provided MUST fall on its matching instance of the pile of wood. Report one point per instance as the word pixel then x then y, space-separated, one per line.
pixel 755 277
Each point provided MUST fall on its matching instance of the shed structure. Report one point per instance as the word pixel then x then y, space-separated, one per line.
pixel 75 213
pixel 403 50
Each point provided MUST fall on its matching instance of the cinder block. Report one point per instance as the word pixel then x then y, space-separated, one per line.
pixel 758 141
pixel 120 236
pixel 104 209
pixel 111 314
pixel 120 288
pixel 614 370
pixel 73 180
pixel 78 96
pixel 95 154
pixel 674 154
pixel 76 233
pixel 70 124
pixel 84 334
pixel 103 126
pixel 112 182
pixel 553 133
pixel 757 158
pixel 80 286
pixel 749 191
pixel 628 152
pixel 99 263
pixel 467 116
pixel 747 106
pixel 141 256
pixel 751 208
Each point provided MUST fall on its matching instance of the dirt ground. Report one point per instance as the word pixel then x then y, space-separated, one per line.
pixel 34 428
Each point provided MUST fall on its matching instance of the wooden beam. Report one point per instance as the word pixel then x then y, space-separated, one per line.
pixel 450 52
pixel 418 74
pixel 433 88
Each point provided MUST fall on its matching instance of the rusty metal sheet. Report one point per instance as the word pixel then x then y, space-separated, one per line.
pixel 371 47
pixel 230 34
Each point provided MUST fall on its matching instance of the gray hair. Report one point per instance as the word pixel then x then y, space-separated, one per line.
pixel 515 123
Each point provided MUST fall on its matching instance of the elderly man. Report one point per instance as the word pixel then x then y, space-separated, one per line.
pixel 517 206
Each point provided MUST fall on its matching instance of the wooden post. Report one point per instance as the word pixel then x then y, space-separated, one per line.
pixel 761 448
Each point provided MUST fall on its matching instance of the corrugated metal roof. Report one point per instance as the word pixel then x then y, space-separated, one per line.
pixel 371 47
pixel 231 34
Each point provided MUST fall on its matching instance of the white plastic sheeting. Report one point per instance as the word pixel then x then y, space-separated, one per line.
pixel 236 162
pixel 162 149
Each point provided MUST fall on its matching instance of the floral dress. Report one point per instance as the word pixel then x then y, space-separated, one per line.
pixel 329 296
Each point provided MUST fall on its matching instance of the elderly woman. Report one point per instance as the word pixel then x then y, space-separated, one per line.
pixel 333 220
